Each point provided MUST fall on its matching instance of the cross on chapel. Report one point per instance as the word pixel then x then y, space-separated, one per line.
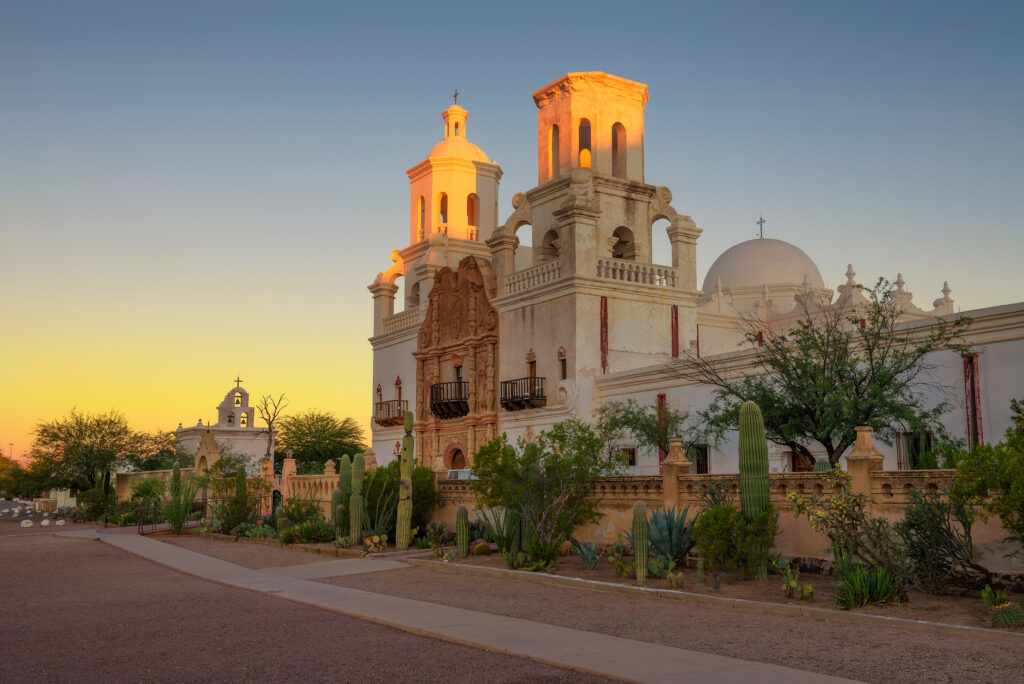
pixel 760 224
pixel 456 96
pixel 238 381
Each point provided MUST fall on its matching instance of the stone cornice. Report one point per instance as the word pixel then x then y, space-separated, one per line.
pixel 394 337
pixel 583 80
pixel 577 284
pixel 454 163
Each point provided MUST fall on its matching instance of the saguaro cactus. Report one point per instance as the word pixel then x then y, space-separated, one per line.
pixel 355 501
pixel 640 541
pixel 404 518
pixel 753 461
pixel 337 510
pixel 462 531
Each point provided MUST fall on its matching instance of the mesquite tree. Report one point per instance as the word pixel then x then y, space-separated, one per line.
pixel 832 370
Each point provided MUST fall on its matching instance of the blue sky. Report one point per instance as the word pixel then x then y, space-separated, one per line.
pixel 220 181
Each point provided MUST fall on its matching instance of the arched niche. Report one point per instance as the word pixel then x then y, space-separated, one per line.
pixel 624 246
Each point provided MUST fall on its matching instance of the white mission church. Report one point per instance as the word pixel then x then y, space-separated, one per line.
pixel 494 336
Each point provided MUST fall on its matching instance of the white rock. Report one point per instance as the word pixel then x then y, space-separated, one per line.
pixel 45 522
pixel 59 523
pixel 27 523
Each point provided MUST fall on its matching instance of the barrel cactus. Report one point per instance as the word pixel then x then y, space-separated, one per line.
pixel 753 461
pixel 403 521
pixel 822 465
pixel 640 541
pixel 462 531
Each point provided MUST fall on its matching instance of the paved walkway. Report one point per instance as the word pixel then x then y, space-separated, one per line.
pixel 579 650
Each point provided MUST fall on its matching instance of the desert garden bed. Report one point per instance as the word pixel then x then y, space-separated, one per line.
pixel 965 609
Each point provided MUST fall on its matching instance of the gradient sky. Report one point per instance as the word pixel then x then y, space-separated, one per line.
pixel 190 190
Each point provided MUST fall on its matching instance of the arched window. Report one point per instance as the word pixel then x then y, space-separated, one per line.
pixel 442 212
pixel 549 247
pixel 553 165
pixel 458 460
pixel 584 143
pixel 619 150
pixel 456 129
pixel 412 301
pixel 472 209
pixel 421 221
pixel 624 247
pixel 238 398
pixel 244 420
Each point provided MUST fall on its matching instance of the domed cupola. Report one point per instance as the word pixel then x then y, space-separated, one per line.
pixel 764 268
pixel 454 191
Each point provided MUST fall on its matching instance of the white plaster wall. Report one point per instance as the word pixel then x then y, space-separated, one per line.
pixel 392 359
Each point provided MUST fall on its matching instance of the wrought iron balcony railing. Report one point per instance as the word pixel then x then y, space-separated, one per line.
pixel 388 413
pixel 523 393
pixel 449 399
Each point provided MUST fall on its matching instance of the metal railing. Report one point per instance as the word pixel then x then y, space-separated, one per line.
pixel 449 399
pixel 392 412
pixel 523 393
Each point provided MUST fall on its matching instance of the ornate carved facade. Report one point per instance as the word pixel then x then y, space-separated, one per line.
pixel 456 359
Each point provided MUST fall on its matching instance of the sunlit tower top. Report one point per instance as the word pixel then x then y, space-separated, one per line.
pixel 590 119
pixel 455 189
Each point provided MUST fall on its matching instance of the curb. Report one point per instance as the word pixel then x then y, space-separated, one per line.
pixel 719 601
pixel 312 548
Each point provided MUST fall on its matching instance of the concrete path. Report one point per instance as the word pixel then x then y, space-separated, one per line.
pixel 575 649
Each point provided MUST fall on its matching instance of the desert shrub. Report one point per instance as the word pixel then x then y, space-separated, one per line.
pixel 547 484
pixel 382 485
pixel 726 539
pixel 296 510
pixel 147 491
pixel 254 531
pixel 314 531
pixel 992 475
pixel 379 508
pixel 94 502
pixel 715 493
pixel 239 497
pixel 180 495
pixel 670 534
pixel 288 535
pixel 936 537
pixel 866 540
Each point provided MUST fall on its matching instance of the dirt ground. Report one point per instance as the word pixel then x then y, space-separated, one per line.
pixel 12 528
pixel 79 610
pixel 967 609
pixel 876 653
pixel 253 556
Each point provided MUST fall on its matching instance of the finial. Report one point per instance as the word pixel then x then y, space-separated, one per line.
pixel 718 286
pixel 764 292
pixel 946 290
pixel 760 224
pixel 456 96
pixel 900 282
pixel 805 285
pixel 849 274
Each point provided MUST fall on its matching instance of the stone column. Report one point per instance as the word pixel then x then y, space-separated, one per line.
pixel 674 465
pixel 683 236
pixel 863 459
pixel 383 303
pixel 503 257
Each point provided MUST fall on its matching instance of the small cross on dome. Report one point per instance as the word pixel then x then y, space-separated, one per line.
pixel 760 224
pixel 238 381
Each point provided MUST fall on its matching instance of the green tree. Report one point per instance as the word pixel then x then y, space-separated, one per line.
pixel 547 484
pixel 82 450
pixel 992 477
pixel 833 371
pixel 315 436
pixel 651 426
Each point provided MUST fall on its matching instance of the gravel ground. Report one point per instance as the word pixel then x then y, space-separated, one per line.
pixel 79 610
pixel 253 556
pixel 877 653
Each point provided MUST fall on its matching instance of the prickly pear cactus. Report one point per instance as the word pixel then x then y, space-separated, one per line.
pixel 640 541
pixel 753 461
pixel 462 531
pixel 403 521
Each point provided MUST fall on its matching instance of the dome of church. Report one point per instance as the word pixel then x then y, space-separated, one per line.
pixel 458 148
pixel 762 261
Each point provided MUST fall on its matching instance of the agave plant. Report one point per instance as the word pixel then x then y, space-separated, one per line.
pixel 670 534
pixel 588 552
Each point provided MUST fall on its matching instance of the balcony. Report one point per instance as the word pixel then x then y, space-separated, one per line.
pixel 400 320
pixel 637 272
pixel 449 399
pixel 532 277
pixel 389 413
pixel 522 393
